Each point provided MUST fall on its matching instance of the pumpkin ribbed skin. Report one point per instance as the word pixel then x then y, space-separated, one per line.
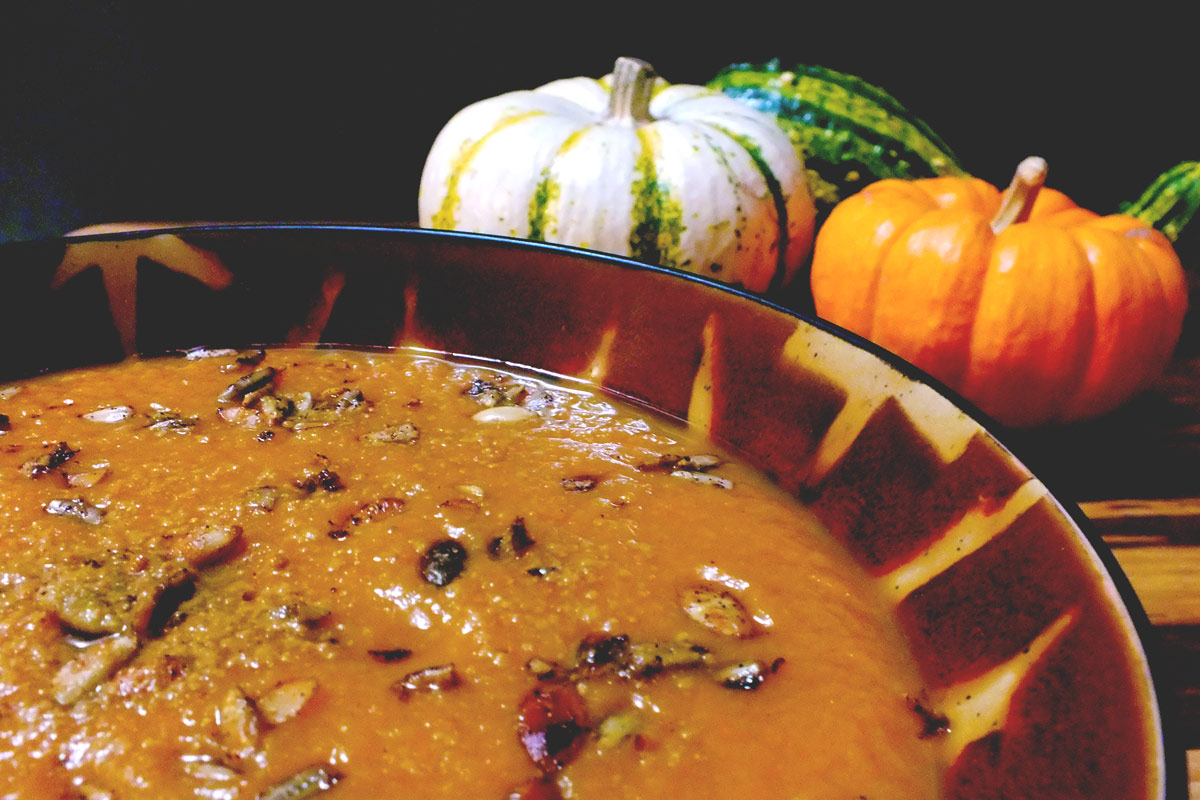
pixel 1061 317
pixel 699 183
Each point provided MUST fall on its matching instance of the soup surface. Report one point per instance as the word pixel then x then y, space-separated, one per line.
pixel 300 573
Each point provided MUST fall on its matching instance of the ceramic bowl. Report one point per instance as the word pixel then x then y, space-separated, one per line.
pixel 1022 625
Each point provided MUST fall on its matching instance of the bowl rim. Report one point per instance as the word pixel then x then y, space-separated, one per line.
pixel 1173 769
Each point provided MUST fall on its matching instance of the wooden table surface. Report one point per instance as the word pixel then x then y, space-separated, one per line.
pixel 1136 475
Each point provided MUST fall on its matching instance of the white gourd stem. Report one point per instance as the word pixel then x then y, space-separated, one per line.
pixel 1017 200
pixel 632 85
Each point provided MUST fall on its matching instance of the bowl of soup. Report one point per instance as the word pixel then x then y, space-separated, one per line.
pixel 297 511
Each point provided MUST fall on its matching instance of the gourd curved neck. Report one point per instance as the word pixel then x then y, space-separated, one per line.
pixel 632 86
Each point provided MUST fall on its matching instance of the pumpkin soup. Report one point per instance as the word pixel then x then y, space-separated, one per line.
pixel 295 573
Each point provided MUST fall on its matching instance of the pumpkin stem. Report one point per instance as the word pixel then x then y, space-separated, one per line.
pixel 633 83
pixel 1017 201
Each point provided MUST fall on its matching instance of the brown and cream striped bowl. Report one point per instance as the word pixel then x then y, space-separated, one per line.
pixel 1028 636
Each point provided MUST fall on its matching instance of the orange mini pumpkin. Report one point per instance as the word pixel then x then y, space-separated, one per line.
pixel 1032 308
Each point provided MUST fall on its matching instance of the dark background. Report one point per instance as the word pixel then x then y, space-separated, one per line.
pixel 189 110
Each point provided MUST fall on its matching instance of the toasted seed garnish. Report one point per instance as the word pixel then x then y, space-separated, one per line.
pixel 671 462
pixel 109 414
pixel 603 653
pixel 209 544
pixel 600 650
pixel 703 478
pixel 580 483
pixel 262 498
pixel 544 670
pixel 197 353
pixel 431 679
pixel 302 617
pixel 379 509
pixel 400 433
pixel 325 479
pixel 719 611
pixel 462 504
pixel 443 561
pixel 647 659
pixel 492 394
pixel 48 462
pixel 698 463
pixel 164 419
pixel 9 392
pixel 86 479
pixel 617 727
pixel 502 414
pixel 744 675
pixel 209 772
pixel 94 665
pixel 285 701
pixel 246 389
pixel 250 358
pixel 77 508
pixel 238 724
pixel 304 784
pixel 115 590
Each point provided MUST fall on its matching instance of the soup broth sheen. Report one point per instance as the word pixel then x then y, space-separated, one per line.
pixel 307 573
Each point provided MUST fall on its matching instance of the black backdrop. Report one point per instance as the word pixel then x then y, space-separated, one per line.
pixel 221 111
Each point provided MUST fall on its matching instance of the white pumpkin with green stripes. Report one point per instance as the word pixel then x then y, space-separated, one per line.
pixel 680 176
